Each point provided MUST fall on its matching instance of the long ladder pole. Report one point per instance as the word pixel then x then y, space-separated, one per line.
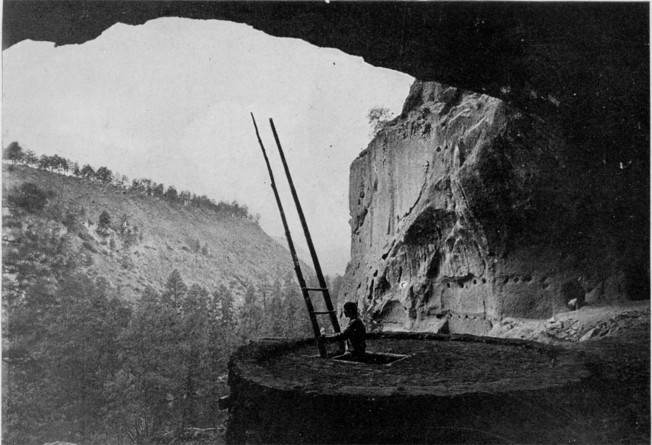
pixel 311 247
pixel 295 259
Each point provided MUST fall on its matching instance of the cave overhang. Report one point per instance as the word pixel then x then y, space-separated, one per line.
pixel 583 66
pixel 585 55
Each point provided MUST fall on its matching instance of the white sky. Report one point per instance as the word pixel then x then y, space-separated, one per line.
pixel 170 100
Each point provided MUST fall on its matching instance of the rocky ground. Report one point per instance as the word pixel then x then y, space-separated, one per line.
pixel 586 323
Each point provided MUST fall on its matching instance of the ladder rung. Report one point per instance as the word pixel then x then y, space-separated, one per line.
pixel 323 312
pixel 316 288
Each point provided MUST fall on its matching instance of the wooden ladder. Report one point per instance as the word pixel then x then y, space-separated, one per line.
pixel 305 290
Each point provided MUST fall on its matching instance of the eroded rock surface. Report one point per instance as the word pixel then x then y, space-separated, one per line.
pixel 466 210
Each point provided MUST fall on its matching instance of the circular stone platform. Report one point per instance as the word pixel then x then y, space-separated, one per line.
pixel 449 389
pixel 441 366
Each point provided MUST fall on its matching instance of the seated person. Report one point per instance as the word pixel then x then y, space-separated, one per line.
pixel 354 334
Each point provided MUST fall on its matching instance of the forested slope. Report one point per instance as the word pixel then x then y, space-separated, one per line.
pixel 147 237
pixel 120 311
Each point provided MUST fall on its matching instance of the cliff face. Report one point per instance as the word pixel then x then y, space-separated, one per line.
pixel 465 210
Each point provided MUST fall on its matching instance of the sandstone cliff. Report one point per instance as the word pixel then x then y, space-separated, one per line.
pixel 466 210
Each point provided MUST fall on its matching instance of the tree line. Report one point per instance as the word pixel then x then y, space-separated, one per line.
pixel 103 175
pixel 85 366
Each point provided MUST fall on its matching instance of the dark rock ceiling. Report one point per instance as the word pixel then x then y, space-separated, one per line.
pixel 480 46
pixel 592 59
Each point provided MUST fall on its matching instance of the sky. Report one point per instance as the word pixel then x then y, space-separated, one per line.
pixel 170 100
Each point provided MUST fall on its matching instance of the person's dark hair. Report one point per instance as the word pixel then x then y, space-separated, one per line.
pixel 350 306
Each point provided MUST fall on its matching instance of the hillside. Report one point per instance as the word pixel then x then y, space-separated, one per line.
pixel 120 310
pixel 148 237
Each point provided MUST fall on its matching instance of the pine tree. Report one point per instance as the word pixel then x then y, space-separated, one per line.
pixel 83 347
pixel 30 158
pixel 378 117
pixel 298 322
pixel 264 298
pixel 251 315
pixel 104 174
pixel 227 316
pixel 216 358
pixel 29 197
pixel 104 221
pixel 71 349
pixel 14 152
pixel 275 310
pixel 87 172
pixel 175 289
pixel 149 383
pixel 171 194
pixel 194 340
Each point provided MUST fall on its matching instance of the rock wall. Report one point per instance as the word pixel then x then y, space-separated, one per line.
pixel 466 210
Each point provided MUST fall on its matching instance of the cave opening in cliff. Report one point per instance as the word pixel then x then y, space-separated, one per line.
pixel 499 236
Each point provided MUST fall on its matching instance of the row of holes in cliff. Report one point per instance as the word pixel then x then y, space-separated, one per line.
pixel 376 289
pixel 373 288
